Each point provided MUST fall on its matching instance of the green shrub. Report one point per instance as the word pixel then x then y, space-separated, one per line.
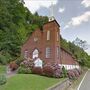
pixel 2 69
pixel 3 79
pixel 8 57
pixel 26 66
pixel 29 63
pixel 3 59
pixel 64 72
pixel 23 70
pixel 19 60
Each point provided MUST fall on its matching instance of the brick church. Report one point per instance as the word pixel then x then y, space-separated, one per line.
pixel 45 44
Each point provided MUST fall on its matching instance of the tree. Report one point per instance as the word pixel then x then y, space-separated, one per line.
pixel 82 44
pixel 16 24
pixel 81 54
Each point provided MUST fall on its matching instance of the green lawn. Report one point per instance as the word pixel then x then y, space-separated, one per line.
pixel 2 69
pixel 29 82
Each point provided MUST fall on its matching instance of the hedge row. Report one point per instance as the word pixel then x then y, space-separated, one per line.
pixel 50 70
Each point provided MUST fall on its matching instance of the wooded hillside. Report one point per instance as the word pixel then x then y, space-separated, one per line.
pixel 16 24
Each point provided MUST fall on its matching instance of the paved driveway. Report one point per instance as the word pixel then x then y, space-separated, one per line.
pixel 86 82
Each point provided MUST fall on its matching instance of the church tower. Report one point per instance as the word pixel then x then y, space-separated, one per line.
pixel 51 40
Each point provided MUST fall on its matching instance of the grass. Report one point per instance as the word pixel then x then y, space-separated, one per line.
pixel 2 69
pixel 29 82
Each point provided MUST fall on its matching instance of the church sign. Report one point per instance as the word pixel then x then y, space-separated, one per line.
pixel 38 63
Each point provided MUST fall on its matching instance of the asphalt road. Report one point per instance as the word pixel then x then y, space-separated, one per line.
pixel 86 82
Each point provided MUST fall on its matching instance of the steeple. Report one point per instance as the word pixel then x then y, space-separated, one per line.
pixel 51 18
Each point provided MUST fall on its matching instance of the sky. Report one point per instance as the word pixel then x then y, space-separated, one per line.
pixel 72 15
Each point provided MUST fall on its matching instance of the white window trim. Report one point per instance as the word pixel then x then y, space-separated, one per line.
pixel 69 67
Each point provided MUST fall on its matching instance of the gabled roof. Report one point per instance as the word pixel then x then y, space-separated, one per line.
pixel 51 22
pixel 30 36
pixel 42 29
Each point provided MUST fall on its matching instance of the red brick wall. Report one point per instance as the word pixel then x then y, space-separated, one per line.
pixel 42 43
pixel 30 44
pixel 67 58
pixel 52 43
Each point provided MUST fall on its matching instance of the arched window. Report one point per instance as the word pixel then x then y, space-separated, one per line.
pixel 48 52
pixel 35 53
pixel 48 35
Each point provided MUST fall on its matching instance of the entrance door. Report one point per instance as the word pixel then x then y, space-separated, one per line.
pixel 35 53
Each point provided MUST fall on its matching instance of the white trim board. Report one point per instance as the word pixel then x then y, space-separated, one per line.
pixel 68 67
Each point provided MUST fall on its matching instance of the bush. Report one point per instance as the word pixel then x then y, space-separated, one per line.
pixel 76 73
pixel 23 70
pixel 48 70
pixel 57 71
pixel 52 70
pixel 79 71
pixel 19 60
pixel 71 74
pixel 64 72
pixel 3 59
pixel 13 66
pixel 3 79
pixel 37 70
pixel 8 57
pixel 27 63
pixel 26 66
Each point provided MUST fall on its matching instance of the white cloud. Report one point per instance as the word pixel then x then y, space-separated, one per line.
pixel 67 26
pixel 34 5
pixel 61 10
pixel 86 3
pixel 76 21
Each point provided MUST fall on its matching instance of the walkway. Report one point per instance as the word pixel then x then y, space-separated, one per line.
pixel 10 73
